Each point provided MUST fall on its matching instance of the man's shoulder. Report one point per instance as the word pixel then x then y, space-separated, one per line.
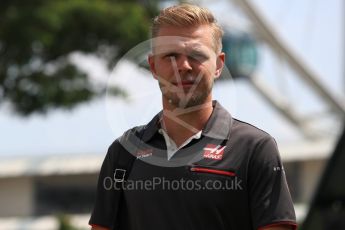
pixel 246 130
pixel 130 134
pixel 136 130
pixel 261 146
pixel 134 136
pixel 127 143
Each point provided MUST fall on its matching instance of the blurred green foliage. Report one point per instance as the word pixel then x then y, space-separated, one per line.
pixel 37 38
pixel 64 223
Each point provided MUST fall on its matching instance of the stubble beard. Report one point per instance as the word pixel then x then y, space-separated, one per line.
pixel 198 97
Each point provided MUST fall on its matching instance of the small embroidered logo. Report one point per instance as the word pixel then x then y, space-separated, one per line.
pixel 214 152
pixel 144 153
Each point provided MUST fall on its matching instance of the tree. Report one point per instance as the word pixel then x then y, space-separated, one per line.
pixel 37 38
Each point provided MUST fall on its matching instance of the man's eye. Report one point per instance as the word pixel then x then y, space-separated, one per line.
pixel 169 55
pixel 199 57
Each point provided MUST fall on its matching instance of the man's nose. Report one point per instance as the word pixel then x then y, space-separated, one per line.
pixel 184 64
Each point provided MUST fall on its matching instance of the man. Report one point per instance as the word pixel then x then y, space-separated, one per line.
pixel 193 166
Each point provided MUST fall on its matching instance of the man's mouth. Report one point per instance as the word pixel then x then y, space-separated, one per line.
pixel 184 83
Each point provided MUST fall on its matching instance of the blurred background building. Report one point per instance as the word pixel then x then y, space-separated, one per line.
pixel 287 77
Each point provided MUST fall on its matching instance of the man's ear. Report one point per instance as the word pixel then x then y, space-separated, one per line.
pixel 151 62
pixel 220 64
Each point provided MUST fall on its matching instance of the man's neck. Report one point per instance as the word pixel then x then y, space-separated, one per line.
pixel 181 124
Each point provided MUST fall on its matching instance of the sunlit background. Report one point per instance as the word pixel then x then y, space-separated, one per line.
pixel 69 87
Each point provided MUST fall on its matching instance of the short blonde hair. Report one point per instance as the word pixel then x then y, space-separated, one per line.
pixel 188 15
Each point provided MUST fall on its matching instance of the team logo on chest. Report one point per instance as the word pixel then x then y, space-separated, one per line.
pixel 214 152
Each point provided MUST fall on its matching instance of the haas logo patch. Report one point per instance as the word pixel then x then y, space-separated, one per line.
pixel 214 152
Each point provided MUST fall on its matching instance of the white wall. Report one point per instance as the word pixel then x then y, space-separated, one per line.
pixel 16 196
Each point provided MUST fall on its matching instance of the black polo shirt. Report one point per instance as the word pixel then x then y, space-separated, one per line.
pixel 231 178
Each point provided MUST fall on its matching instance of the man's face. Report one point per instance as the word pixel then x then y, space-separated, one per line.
pixel 185 64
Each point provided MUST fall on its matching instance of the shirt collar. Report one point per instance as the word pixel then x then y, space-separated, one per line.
pixel 151 128
pixel 218 125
